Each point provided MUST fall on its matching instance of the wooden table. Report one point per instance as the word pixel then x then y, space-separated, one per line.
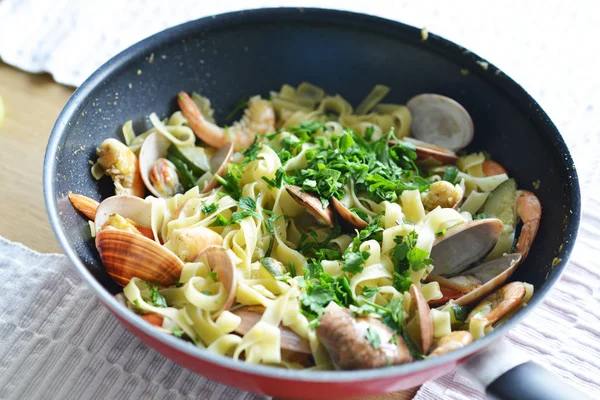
pixel 32 104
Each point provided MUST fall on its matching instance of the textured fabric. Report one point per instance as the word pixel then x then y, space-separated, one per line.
pixel 58 341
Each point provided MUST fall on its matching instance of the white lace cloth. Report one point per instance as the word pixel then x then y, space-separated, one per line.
pixel 59 342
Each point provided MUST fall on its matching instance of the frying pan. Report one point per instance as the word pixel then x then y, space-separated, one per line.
pixel 230 56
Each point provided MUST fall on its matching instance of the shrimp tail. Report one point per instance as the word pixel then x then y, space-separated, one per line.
pixel 209 133
pixel 529 210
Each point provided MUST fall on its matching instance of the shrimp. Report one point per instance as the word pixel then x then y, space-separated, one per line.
pixel 259 117
pixel 451 342
pixel 490 168
pixel 443 194
pixel 498 304
pixel 121 164
pixel 153 319
pixel 529 210
pixel 164 178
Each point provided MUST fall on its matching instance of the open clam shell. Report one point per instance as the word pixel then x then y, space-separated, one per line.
pixel 425 321
pixel 219 261
pixel 312 204
pixel 127 255
pixel 464 245
pixel 426 150
pixel 218 165
pixel 155 146
pixel 290 341
pixel 441 121
pixel 493 274
pixel 348 216
pixel 136 209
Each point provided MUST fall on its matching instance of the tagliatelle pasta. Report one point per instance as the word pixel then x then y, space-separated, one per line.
pixel 328 211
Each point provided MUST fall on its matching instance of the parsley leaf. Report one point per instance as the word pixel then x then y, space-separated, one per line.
pixel 240 105
pixel 177 332
pixel 247 203
pixel 370 291
pixel 450 174
pixel 231 181
pixel 481 216
pixel 353 262
pixel 251 153
pixel 373 337
pixel 441 232
pixel 209 208
pixel 460 312
pixel 280 178
pixel 213 276
pixel 156 299
pixel 418 259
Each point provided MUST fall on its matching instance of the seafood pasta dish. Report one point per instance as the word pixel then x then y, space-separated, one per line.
pixel 310 233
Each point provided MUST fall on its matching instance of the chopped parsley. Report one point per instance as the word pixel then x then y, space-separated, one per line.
pixel 370 291
pixel 213 276
pixel 209 208
pixel 177 332
pixel 280 178
pixel 407 258
pixel 354 261
pixel 247 204
pixel 373 337
pixel 376 168
pixel 156 299
pixel 451 174
pixel 481 216
pixel 441 232
pixel 239 106
pixel 460 312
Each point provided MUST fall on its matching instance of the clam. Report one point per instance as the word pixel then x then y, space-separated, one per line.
pixel 158 173
pixel 441 121
pixel 218 165
pixel 290 341
pixel 129 207
pixel 346 215
pixel 426 150
pixel 422 318
pixel 219 261
pixel 492 274
pixel 312 204
pixel 464 245
pixel 127 255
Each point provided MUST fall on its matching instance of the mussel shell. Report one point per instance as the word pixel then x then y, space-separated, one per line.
pixel 127 255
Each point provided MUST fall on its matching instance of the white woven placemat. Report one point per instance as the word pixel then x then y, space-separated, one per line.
pixel 59 342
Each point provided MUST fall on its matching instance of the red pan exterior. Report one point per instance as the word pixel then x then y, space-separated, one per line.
pixel 286 388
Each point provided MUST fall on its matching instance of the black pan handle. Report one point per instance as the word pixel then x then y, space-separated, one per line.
pixel 531 381
pixel 506 374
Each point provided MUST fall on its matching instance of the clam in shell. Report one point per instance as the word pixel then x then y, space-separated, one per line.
pixel 312 204
pixel 127 255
